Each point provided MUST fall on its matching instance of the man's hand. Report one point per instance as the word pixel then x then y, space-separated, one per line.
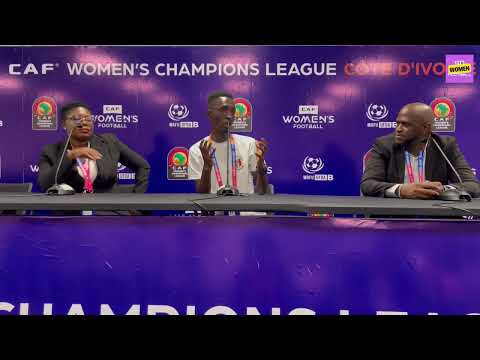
pixel 205 148
pixel 425 190
pixel 262 147
pixel 84 152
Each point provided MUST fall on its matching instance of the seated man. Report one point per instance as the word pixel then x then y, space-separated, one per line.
pixel 209 154
pixel 408 164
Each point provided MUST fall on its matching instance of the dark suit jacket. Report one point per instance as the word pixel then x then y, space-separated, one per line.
pixel 386 166
pixel 113 151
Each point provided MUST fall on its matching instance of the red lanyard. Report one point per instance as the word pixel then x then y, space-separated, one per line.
pixel 85 167
pixel 216 167
pixel 420 163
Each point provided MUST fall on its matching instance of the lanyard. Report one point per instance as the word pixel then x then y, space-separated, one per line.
pixel 421 167
pixel 85 168
pixel 216 167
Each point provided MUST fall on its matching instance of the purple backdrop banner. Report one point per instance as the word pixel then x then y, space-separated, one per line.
pixel 237 265
pixel 316 105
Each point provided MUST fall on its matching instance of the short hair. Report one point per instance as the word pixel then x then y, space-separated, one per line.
pixel 70 106
pixel 218 94
pixel 424 111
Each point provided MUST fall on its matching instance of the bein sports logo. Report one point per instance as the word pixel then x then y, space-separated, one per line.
pixel 376 112
pixel 178 112
pixel 312 165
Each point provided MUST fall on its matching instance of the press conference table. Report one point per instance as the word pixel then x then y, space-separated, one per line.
pixel 260 203
pixel 238 264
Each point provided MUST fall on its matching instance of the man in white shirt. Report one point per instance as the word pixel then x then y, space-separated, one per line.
pixel 208 157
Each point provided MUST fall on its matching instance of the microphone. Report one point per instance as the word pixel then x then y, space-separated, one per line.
pixel 62 189
pixel 227 189
pixel 452 194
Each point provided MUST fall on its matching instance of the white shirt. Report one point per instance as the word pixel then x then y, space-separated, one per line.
pixel 246 163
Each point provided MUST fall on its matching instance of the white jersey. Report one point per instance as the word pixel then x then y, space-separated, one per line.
pixel 246 163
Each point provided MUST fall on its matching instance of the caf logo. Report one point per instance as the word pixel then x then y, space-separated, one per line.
pixel 177 164
pixel 44 114
pixel 243 115
pixel 445 114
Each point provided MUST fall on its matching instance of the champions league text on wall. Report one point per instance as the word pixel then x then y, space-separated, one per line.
pixel 255 268
pixel 179 69
pixel 308 101
pixel 25 308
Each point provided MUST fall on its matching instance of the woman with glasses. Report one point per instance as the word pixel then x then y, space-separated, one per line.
pixel 90 162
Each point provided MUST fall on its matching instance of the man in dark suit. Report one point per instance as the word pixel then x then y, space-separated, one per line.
pixel 408 164
pixel 90 164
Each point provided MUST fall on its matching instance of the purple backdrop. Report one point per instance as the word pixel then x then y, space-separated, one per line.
pixel 230 264
pixel 358 78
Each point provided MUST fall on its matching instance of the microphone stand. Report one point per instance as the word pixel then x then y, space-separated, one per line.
pixel 227 189
pixel 459 194
pixel 56 189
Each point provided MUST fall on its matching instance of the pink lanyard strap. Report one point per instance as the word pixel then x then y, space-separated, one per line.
pixel 216 167
pixel 85 167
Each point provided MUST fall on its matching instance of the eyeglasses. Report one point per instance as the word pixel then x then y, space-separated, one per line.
pixel 224 109
pixel 90 119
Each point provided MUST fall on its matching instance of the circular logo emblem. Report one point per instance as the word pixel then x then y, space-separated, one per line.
pixel 178 112
pixel 312 165
pixel 179 159
pixel 377 112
